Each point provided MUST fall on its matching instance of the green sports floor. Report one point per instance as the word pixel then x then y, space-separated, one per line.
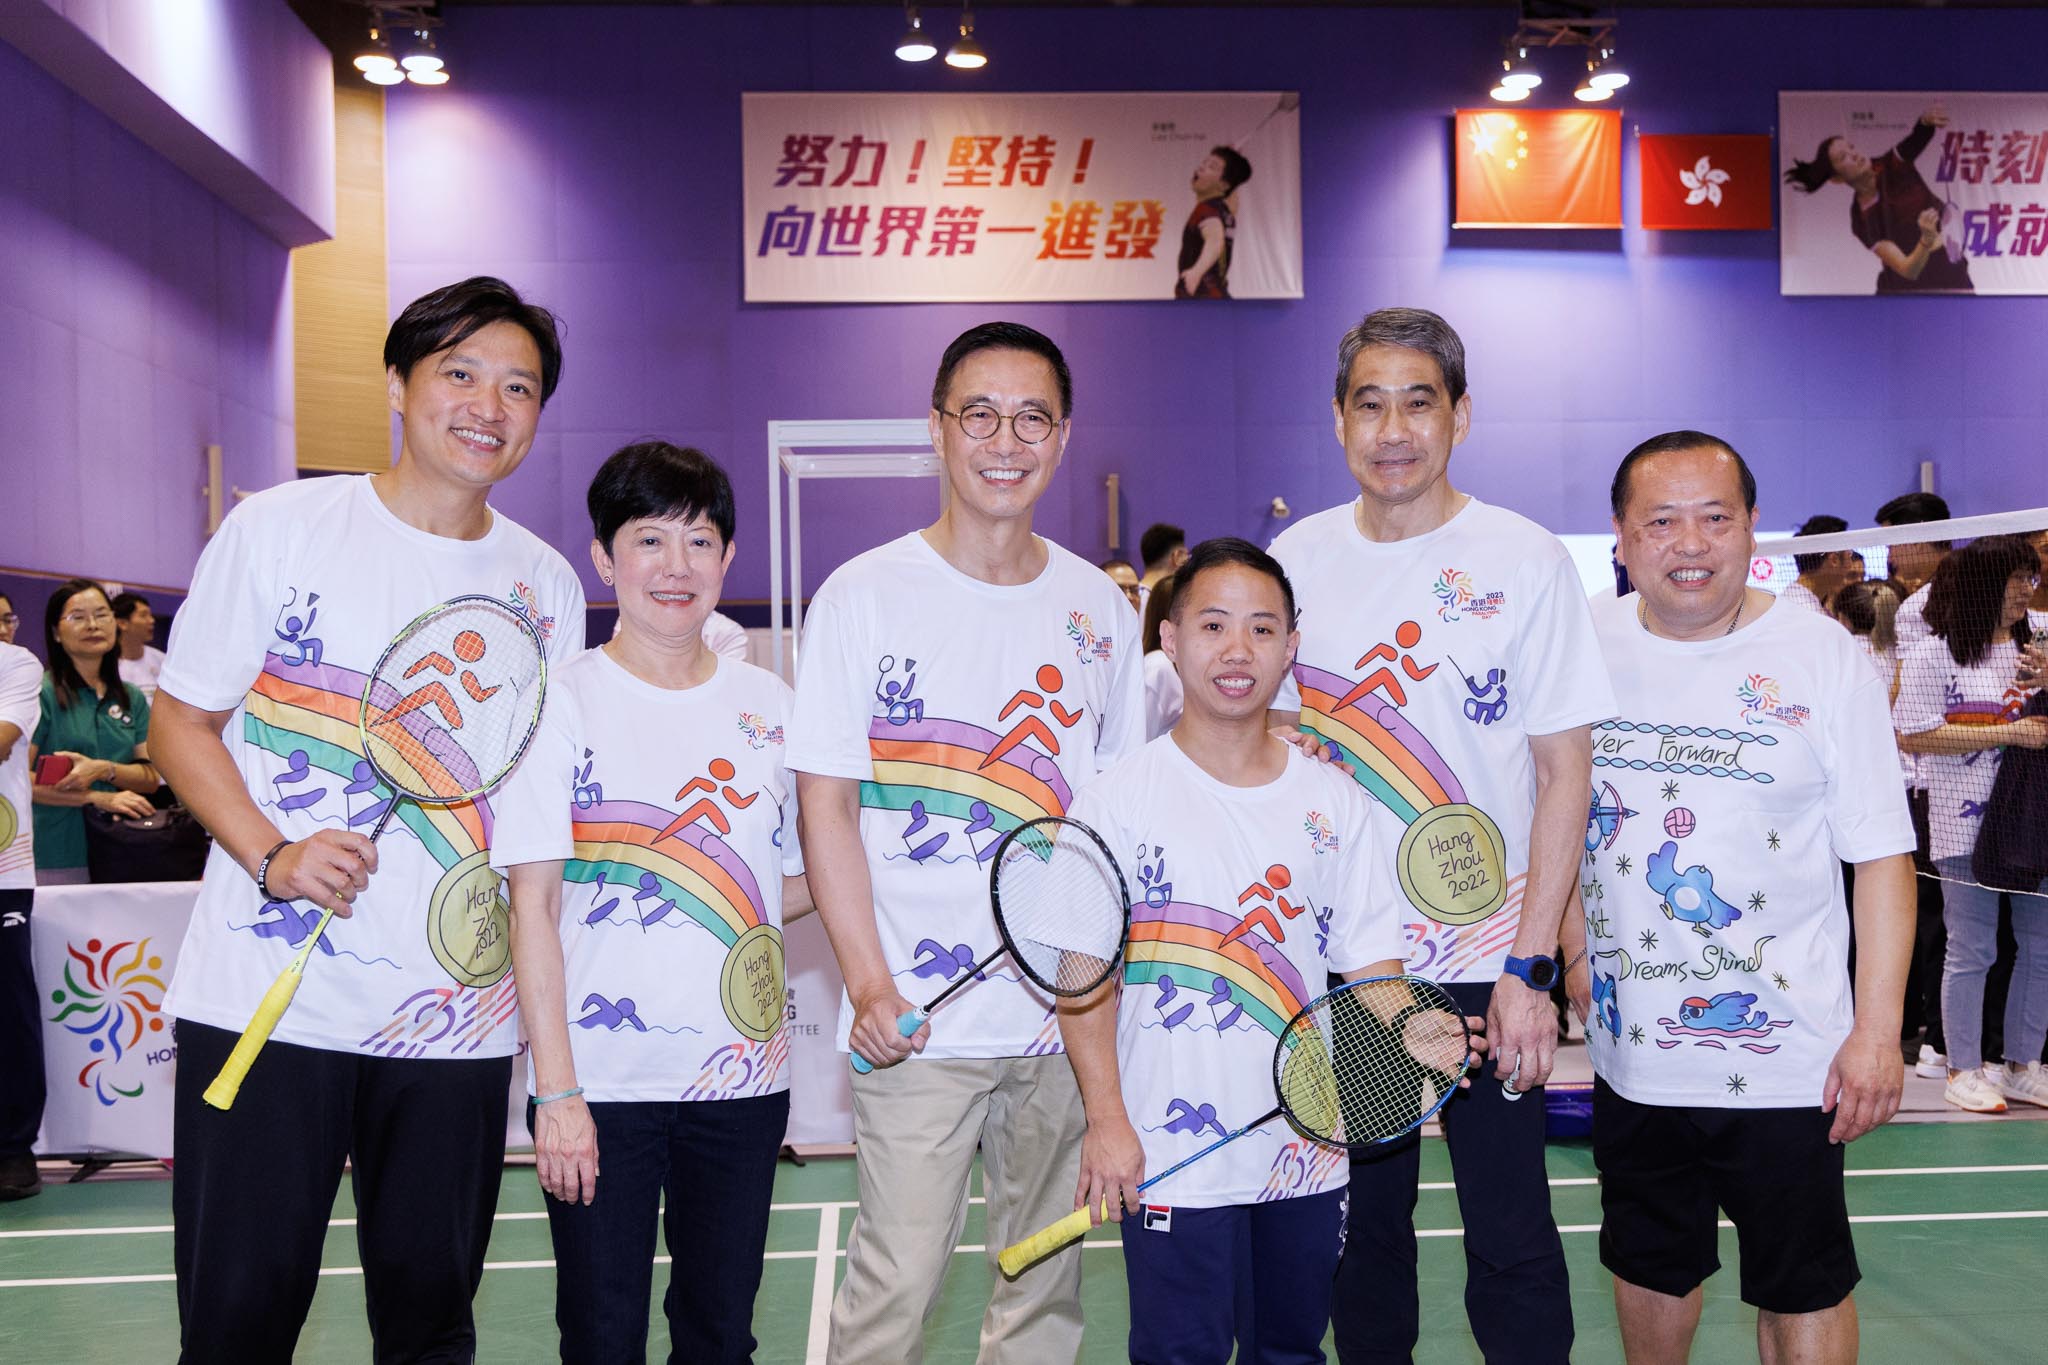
pixel 1952 1230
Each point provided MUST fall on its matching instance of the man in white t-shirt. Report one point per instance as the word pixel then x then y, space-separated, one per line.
pixel 396 1055
pixel 1259 878
pixel 22 1089
pixel 952 684
pixel 142 663
pixel 1751 751
pixel 1821 575
pixel 1447 656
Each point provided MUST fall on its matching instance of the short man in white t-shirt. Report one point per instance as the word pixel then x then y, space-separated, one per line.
pixel 396 1055
pixel 1751 751
pixel 1822 574
pixel 1236 841
pixel 142 663
pixel 22 1090
pixel 1447 656
pixel 953 684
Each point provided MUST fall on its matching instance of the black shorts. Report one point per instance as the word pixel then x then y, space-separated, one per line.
pixel 1664 1169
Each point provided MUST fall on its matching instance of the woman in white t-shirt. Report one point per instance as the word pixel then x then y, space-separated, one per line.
pixel 1960 695
pixel 650 840
pixel 1162 684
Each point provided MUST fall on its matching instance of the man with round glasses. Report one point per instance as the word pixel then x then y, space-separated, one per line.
pixel 954 683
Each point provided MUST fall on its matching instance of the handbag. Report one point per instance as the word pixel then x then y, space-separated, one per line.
pixel 168 845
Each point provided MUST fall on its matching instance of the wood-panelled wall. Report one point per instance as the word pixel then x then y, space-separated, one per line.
pixel 339 306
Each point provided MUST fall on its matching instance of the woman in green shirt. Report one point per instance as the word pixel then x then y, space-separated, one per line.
pixel 92 718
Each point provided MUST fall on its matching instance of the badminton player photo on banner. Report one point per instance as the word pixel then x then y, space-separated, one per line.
pixel 1913 193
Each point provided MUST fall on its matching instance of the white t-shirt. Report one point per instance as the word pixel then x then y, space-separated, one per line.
pixel 1799 595
pixel 1738 771
pixel 293 603
pixel 1934 690
pixel 144 672
pixel 1290 874
pixel 964 709
pixel 1163 697
pixel 676 820
pixel 1429 662
pixel 21 682
pixel 724 636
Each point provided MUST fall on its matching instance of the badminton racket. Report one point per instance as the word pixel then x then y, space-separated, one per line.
pixel 1061 909
pixel 1358 1066
pixel 447 711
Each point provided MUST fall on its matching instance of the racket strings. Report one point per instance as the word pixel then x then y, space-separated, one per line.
pixel 1060 901
pixel 454 701
pixel 1371 1061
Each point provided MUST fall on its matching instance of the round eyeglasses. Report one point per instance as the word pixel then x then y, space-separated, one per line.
pixel 981 422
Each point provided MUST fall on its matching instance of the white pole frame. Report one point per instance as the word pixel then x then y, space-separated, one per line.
pixel 855 449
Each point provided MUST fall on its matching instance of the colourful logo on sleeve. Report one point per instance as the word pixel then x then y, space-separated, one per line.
pixel 1088 646
pixel 527 602
pixel 759 734
pixel 1760 700
pixel 1457 597
pixel 1322 836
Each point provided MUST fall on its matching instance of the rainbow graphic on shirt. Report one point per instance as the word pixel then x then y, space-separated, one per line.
pixel 941 768
pixel 1179 948
pixel 1394 760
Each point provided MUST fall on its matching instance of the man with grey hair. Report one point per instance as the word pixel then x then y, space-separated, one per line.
pixel 1447 655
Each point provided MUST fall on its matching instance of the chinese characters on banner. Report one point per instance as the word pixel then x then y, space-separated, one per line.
pixel 1953 199
pixel 895 198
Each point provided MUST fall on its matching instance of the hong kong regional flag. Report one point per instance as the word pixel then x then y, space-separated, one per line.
pixel 1551 168
pixel 1706 181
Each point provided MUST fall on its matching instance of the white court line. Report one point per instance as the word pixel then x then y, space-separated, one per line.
pixel 1559 1182
pixel 1093 1244
pixel 821 1284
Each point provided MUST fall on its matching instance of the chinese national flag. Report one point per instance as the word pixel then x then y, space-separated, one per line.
pixel 1706 181
pixel 1558 168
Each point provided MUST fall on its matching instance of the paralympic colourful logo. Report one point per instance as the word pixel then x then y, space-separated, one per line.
pixel 112 996
pixel 1459 598
pixel 1088 646
pixel 759 733
pixel 1760 701
pixel 1322 836
pixel 526 602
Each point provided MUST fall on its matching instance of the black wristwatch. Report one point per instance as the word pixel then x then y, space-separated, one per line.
pixel 1540 972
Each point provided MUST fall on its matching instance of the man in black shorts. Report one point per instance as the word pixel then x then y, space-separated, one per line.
pixel 1752 750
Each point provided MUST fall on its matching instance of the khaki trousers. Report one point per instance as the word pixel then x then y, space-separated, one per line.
pixel 917 1126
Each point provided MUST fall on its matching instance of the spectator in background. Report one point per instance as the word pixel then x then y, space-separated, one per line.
pixel 21 1018
pixel 1164 548
pixel 1869 611
pixel 141 661
pixel 92 719
pixel 1124 576
pixel 1959 695
pixel 1821 576
pixel 1910 566
pixel 9 619
pixel 1162 683
pixel 724 636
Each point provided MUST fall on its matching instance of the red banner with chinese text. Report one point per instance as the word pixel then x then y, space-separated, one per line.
pixel 997 198
pixel 1538 168
pixel 1706 180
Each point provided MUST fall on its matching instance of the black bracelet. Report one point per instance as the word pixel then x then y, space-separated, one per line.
pixel 263 868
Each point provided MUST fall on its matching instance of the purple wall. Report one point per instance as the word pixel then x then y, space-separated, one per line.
pixel 140 320
pixel 592 156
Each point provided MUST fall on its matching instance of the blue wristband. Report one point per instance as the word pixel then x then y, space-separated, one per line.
pixel 568 1094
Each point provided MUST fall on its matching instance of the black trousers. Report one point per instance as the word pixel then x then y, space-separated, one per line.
pixel 22 1090
pixel 254 1185
pixel 1517 1292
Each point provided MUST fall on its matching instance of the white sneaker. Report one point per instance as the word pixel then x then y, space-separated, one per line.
pixel 1932 1065
pixel 2029 1083
pixel 1975 1092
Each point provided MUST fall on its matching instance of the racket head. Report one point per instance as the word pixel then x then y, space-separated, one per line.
pixel 1060 903
pixel 454 700
pixel 1370 1060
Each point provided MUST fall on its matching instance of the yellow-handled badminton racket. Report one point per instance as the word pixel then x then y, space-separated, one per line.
pixel 446 713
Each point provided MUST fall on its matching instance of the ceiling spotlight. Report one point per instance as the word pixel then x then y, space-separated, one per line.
pixel 1508 94
pixel 375 55
pixel 1592 94
pixel 915 45
pixel 386 75
pixel 419 54
pixel 1518 72
pixel 966 54
pixel 436 77
pixel 1607 71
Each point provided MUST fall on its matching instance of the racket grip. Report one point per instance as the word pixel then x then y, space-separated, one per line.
pixel 861 1064
pixel 221 1094
pixel 910 1021
pixel 1507 1087
pixel 1042 1244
